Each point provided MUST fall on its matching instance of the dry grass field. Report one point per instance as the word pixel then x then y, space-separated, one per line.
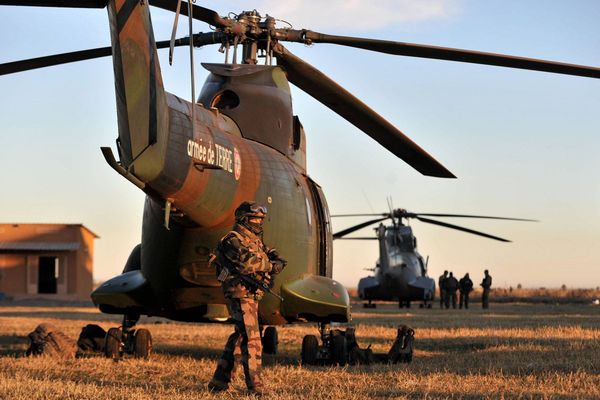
pixel 510 351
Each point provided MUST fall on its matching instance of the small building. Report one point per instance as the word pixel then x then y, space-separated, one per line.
pixel 53 261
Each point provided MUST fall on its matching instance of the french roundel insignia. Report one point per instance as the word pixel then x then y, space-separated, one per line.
pixel 237 164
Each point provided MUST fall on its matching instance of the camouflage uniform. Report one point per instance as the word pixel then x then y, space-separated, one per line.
pixel 242 251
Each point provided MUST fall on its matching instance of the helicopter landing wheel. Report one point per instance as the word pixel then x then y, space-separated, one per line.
pixel 339 350
pixel 142 343
pixel 310 350
pixel 113 343
pixel 270 340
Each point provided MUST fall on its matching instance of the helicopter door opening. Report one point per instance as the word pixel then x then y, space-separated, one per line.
pixel 323 222
pixel 47 275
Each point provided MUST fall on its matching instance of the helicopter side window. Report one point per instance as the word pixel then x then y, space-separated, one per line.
pixel 422 265
pixel 226 100
pixel 298 128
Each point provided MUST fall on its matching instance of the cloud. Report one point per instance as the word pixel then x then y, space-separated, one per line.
pixel 355 14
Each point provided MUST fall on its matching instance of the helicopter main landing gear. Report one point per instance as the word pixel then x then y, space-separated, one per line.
pixel 340 348
pixel 333 351
pixel 370 304
pixel 126 340
pixel 269 339
pixel 403 303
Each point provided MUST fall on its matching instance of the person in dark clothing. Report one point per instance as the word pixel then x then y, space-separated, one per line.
pixel 486 284
pixel 442 285
pixel 451 288
pixel 465 286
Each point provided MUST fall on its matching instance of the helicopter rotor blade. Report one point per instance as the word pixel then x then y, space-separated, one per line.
pixel 338 235
pixel 56 3
pixel 200 13
pixel 338 99
pixel 444 53
pixel 200 39
pixel 460 228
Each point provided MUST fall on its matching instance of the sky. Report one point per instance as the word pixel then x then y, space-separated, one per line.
pixel 522 143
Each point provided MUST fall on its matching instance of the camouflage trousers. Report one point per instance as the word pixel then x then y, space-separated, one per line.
pixel 246 336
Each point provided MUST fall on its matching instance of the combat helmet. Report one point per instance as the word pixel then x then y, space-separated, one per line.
pixel 249 210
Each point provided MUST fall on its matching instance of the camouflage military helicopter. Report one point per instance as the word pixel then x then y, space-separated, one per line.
pixel 196 161
pixel 400 272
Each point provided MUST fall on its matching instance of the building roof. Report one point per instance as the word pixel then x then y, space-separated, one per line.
pixel 57 225
pixel 39 246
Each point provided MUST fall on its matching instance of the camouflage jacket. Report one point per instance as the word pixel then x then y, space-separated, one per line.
pixel 242 252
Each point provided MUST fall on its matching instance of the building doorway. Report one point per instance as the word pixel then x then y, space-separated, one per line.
pixel 47 274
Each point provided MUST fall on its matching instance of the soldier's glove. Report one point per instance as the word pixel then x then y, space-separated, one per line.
pixel 278 263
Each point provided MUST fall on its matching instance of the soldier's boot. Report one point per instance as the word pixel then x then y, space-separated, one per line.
pixel 225 366
pixel 222 376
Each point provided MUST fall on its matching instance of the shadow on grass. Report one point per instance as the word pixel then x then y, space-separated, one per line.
pixel 13 345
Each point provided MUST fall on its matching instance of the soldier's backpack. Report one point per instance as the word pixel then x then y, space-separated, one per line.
pixel 46 339
pixel 91 338
pixel 402 348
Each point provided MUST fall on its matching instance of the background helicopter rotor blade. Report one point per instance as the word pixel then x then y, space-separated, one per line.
pixel 360 215
pixel 338 99
pixel 56 3
pixel 460 228
pixel 200 39
pixel 338 235
pixel 415 215
pixel 446 53
pixel 359 238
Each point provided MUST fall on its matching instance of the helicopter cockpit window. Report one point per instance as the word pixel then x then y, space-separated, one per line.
pixel 226 100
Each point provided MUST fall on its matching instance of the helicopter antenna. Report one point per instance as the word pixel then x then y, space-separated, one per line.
pixel 192 76
pixel 367 199
pixel 174 32
pixel 389 201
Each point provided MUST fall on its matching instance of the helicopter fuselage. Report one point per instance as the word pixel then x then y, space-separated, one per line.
pixel 197 163
pixel 401 273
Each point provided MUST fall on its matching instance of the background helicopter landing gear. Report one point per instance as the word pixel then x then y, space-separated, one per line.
pixel 334 348
pixel 269 339
pixel 125 340
pixel 403 303
pixel 425 304
pixel 369 304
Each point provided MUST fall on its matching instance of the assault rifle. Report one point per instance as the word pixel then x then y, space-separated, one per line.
pixel 249 281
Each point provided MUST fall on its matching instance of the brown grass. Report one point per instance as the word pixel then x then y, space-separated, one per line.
pixel 510 351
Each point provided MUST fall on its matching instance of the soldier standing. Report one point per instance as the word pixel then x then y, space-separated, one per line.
pixel 451 287
pixel 442 285
pixel 242 252
pixel 465 286
pixel 486 284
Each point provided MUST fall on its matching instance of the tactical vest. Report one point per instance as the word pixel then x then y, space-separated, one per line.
pixel 256 260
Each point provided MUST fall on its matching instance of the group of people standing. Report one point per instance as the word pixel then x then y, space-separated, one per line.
pixel 449 285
